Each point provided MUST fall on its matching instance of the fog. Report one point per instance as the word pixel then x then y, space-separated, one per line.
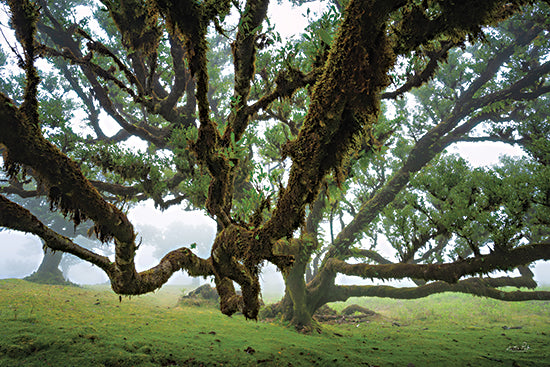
pixel 161 232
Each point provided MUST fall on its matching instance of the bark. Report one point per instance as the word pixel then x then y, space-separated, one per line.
pixel 331 124
pixel 448 272
pixel 296 290
pixel 299 313
pixel 476 286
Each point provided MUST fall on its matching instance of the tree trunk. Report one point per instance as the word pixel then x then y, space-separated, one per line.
pixel 296 290
pixel 48 272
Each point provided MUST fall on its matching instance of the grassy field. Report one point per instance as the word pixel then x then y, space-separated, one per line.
pixel 44 325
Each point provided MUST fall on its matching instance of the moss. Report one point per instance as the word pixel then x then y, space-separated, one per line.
pixel 138 24
pixel 53 278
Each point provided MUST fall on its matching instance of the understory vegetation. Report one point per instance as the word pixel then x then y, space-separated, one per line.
pixel 44 325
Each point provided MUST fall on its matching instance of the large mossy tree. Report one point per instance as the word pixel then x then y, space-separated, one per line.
pixel 345 125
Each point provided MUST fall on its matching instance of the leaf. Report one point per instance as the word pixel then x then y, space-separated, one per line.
pixel 325 36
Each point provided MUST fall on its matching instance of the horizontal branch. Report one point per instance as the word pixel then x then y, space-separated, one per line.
pixel 475 286
pixel 13 190
pixel 152 279
pixel 492 139
pixel 449 272
pixel 14 216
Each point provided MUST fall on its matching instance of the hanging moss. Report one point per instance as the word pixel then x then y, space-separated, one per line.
pixel 137 22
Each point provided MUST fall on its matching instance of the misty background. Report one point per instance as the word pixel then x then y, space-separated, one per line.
pixel 163 231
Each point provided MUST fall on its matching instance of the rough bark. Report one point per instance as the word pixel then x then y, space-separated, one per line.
pixel 449 272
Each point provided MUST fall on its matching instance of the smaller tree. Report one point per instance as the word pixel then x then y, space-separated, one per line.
pixel 49 271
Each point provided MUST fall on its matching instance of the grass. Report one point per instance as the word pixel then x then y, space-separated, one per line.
pixel 45 325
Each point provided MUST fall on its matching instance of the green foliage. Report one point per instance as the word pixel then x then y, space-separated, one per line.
pixel 450 209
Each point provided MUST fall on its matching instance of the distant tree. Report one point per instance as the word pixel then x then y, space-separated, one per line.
pixel 272 138
pixel 49 271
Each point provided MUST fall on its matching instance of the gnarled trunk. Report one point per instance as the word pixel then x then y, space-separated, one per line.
pixel 299 314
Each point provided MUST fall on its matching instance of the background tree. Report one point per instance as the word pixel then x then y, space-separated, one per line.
pixel 270 140
pixel 48 271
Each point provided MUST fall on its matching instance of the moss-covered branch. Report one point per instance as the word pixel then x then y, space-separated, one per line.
pixel 24 17
pixel 475 286
pixel 16 217
pixel 455 20
pixel 352 78
pixel 448 272
pixel 67 187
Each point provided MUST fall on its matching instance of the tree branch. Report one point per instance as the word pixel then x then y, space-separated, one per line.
pixel 476 286
pixel 67 186
pixel 449 272
pixel 244 54
pixel 16 217
pixel 425 75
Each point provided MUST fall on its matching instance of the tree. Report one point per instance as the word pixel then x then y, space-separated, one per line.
pixel 48 271
pixel 222 141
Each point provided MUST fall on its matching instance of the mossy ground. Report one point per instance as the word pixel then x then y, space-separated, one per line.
pixel 43 325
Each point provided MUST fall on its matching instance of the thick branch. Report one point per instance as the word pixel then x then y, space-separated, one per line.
pixel 449 272
pixel 152 279
pixel 355 73
pixel 475 286
pixel 16 217
pixel 68 188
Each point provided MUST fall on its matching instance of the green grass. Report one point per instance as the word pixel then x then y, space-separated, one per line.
pixel 43 325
